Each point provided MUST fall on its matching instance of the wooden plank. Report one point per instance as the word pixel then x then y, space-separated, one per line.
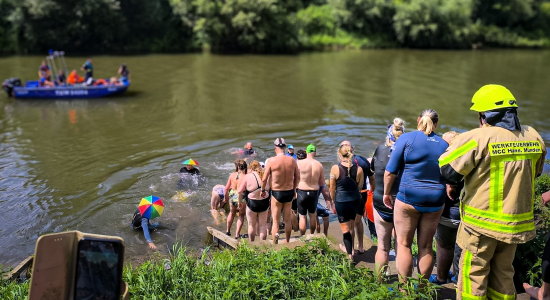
pixel 222 238
pixel 13 274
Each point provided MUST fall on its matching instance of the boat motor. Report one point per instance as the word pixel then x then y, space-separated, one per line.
pixel 9 84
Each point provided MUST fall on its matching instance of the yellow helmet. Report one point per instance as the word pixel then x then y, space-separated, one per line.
pixel 491 97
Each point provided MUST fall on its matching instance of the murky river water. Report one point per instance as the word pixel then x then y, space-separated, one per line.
pixel 85 164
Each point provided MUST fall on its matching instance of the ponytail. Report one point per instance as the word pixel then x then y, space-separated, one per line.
pixel 428 119
pixel 345 154
pixel 395 131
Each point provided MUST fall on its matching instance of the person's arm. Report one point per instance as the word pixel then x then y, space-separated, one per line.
pixel 546 198
pixel 360 178
pixel 145 227
pixel 228 187
pixel 334 173
pixel 372 183
pixel 267 174
pixel 241 188
pixel 389 178
pixel 296 176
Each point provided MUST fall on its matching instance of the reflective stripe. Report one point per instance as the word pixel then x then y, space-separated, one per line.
pixel 498 216
pixel 458 152
pixel 466 282
pixel 498 296
pixel 503 228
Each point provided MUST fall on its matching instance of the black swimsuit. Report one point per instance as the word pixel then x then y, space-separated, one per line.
pixel 283 196
pixel 255 205
pixel 307 201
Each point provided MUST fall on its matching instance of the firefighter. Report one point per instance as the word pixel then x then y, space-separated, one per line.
pixel 498 163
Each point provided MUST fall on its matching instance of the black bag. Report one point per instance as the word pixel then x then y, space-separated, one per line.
pixel 136 220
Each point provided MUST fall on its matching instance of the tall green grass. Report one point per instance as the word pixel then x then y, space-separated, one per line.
pixel 313 271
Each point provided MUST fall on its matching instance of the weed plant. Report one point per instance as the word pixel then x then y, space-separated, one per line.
pixel 313 271
pixel 13 290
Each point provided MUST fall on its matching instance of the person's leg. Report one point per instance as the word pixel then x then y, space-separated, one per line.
pixel 251 218
pixel 445 243
pixel 384 230
pixel 295 216
pixel 312 222
pixel 276 208
pixel 405 219
pixel 262 224
pixel 325 225
pixel 269 223
pixel 501 276
pixel 230 217
pixel 215 200
pixel 348 241
pixel 303 224
pixel 240 220
pixel 360 232
pixel 287 218
pixel 318 227
pixel 540 294
pixel 427 225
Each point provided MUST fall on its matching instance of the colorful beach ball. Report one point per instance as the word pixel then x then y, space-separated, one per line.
pixel 151 207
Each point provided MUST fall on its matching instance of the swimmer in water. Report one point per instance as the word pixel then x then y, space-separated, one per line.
pixel 233 198
pixel 140 222
pixel 189 169
pixel 283 172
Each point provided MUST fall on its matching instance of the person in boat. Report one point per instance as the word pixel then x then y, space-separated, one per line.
pixel 45 75
pixel 44 71
pixel 89 71
pixel 138 221
pixel 61 78
pixel 74 78
pixel 124 74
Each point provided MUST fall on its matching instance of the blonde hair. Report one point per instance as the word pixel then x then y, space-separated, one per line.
pixel 449 136
pixel 428 119
pixel 256 167
pixel 345 154
pixel 397 130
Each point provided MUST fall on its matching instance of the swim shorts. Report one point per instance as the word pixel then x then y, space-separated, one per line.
pixel 346 210
pixel 307 201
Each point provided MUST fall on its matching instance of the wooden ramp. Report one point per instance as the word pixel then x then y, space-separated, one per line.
pixel 334 238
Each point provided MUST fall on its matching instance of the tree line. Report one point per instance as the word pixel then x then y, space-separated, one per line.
pixel 268 26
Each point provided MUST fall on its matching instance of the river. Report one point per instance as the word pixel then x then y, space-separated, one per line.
pixel 85 164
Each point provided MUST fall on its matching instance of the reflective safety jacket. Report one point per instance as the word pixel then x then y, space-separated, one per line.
pixel 499 167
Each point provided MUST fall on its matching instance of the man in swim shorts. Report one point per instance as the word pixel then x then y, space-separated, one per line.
pixel 283 172
pixel 311 179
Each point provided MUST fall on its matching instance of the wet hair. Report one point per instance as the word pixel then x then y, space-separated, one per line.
pixel 345 154
pixel 301 154
pixel 240 165
pixel 397 130
pixel 449 136
pixel 428 119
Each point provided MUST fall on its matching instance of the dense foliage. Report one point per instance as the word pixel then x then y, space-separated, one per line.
pixel 528 260
pixel 268 26
pixel 314 271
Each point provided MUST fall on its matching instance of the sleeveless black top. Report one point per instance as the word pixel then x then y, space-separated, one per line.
pixel 346 186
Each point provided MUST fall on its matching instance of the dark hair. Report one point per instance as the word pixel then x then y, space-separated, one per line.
pixel 301 154
pixel 240 165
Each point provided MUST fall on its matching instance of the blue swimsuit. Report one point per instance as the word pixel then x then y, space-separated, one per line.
pixel 422 185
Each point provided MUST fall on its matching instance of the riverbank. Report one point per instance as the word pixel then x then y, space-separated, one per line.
pixel 270 27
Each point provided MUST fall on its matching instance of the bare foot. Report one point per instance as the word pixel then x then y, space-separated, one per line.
pixel 531 291
pixel 344 249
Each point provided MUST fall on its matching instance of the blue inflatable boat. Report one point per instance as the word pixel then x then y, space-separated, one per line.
pixel 32 90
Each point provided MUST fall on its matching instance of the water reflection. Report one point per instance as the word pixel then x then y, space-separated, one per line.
pixel 86 164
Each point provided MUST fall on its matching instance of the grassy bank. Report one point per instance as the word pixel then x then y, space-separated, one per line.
pixel 313 271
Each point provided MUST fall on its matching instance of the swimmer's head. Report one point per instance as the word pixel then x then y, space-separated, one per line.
pixel 301 154
pixel 290 148
pixel 346 143
pixel 449 136
pixel 248 146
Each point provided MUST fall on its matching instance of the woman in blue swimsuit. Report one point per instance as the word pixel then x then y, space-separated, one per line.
pixel 422 192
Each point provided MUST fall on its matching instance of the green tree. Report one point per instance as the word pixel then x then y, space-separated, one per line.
pixel 434 23
pixel 234 26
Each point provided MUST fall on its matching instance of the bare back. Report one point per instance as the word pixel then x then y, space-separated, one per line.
pixel 283 171
pixel 311 174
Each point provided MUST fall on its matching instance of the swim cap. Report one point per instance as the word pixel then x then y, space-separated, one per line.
pixel 290 146
pixel 311 148
pixel 279 142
